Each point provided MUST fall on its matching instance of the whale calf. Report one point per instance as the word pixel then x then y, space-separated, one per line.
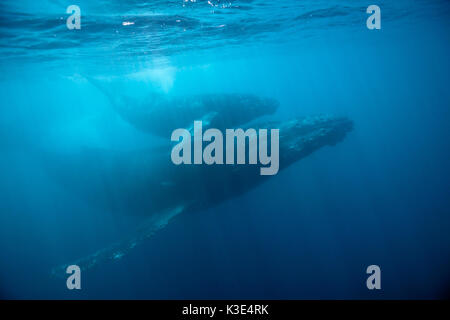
pixel 146 182
pixel 159 114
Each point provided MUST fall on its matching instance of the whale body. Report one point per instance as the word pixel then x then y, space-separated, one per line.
pixel 146 183
pixel 160 114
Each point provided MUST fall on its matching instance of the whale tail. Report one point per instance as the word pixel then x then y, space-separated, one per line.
pixel 121 102
pixel 103 87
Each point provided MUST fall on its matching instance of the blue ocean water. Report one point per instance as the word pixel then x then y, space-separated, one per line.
pixel 381 196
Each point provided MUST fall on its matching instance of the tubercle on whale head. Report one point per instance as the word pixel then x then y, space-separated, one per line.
pixel 302 136
pixel 316 125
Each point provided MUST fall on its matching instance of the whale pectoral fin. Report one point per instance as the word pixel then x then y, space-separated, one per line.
pixel 122 248
pixel 206 121
pixel 207 118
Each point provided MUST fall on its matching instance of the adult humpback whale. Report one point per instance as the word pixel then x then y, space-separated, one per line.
pixel 159 114
pixel 147 183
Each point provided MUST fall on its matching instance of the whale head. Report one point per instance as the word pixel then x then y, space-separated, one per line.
pixel 301 136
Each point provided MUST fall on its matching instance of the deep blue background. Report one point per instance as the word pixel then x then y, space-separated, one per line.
pixel 379 197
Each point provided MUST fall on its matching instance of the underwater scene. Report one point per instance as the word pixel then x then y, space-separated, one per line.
pixel 207 149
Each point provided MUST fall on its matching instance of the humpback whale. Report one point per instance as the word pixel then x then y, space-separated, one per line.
pixel 146 182
pixel 159 113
